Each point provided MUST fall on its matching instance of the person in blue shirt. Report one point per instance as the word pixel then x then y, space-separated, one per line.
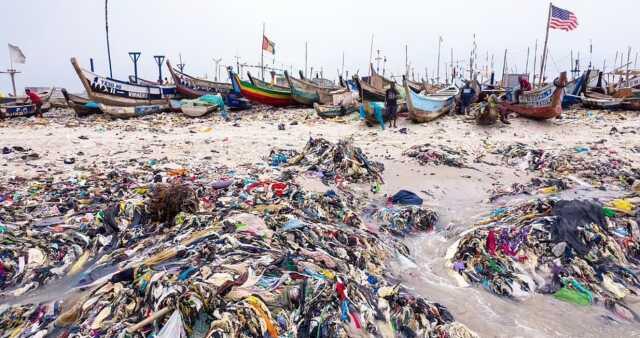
pixel 468 93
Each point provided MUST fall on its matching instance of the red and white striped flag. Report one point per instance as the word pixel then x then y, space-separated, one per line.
pixel 562 19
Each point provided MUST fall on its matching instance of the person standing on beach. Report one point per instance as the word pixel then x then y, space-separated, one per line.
pixel 391 102
pixel 467 96
pixel 36 100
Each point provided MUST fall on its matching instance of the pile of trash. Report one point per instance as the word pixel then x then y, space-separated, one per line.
pixel 202 251
pixel 579 251
pixel 403 214
pixel 598 165
pixel 332 162
pixel 438 155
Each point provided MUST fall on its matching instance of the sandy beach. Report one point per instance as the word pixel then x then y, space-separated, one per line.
pixel 66 146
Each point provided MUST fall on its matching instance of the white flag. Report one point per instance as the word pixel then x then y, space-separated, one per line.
pixel 16 54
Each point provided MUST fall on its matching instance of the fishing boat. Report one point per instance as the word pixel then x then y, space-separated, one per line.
pixel 200 106
pixel 81 106
pixel 191 87
pixel 117 93
pixel 426 108
pixel 543 103
pixel 367 92
pixel 631 104
pixel 168 91
pixel 265 84
pixel 21 108
pixel 416 87
pixel 595 100
pixel 197 111
pixel 119 112
pixel 261 94
pixel 303 92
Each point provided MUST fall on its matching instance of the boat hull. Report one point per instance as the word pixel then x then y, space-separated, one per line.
pixel 276 98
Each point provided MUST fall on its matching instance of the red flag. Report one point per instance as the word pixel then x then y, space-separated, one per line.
pixel 268 45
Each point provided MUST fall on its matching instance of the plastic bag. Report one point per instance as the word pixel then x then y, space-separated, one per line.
pixel 173 328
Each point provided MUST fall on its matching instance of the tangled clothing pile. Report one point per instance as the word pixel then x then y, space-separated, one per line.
pixel 579 251
pixel 438 155
pixel 336 162
pixel 598 165
pixel 257 257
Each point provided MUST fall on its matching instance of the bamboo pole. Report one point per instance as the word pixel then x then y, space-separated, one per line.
pixel 262 50
pixel 544 49
pixel 106 24
pixel 535 60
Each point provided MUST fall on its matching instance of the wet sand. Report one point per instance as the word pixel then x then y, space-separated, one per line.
pixel 460 195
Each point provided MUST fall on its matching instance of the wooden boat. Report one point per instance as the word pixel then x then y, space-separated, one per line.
pixel 80 105
pixel 330 111
pixel 541 104
pixel 21 108
pixel 416 87
pixel 198 107
pixel 264 95
pixel 197 111
pixel 117 93
pixel 168 91
pixel 426 108
pixel 595 100
pixel 264 84
pixel 367 92
pixel 631 104
pixel 303 92
pixel 192 88
pixel 117 112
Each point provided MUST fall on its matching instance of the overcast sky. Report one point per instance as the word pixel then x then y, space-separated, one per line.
pixel 50 32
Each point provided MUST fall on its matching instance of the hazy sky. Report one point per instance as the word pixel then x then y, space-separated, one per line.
pixel 50 32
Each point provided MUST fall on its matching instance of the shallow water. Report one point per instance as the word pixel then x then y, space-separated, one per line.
pixel 461 201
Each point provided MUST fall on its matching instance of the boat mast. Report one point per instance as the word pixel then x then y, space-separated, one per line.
pixel 535 60
pixel 628 63
pixel 504 66
pixel 262 51
pixel 526 67
pixel 342 70
pixel 438 68
pixel 106 24
pixel 306 60
pixel 544 49
pixel 406 60
pixel 12 73
pixel 371 56
pixel 181 64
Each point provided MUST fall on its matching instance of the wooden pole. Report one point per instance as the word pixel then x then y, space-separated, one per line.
pixel 306 59
pixel 106 24
pixel 342 70
pixel 535 60
pixel 371 56
pixel 526 66
pixel 438 69
pixel 406 60
pixel 262 50
pixel 571 65
pixel 504 66
pixel 628 63
pixel 544 49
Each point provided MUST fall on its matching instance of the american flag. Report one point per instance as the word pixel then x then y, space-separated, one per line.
pixel 562 19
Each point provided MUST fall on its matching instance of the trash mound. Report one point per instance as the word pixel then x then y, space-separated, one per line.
pixel 254 256
pixel 403 220
pixel 438 155
pixel 578 251
pixel 598 165
pixel 337 162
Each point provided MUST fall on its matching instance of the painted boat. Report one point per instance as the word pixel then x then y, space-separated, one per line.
pixel 168 91
pixel 303 92
pixel 264 84
pixel 12 110
pixel 416 87
pixel 595 100
pixel 118 112
pixel 192 88
pixel 331 111
pixel 540 104
pixel 263 95
pixel 117 93
pixel 197 111
pixel 367 92
pixel 20 108
pixel 81 106
pixel 426 108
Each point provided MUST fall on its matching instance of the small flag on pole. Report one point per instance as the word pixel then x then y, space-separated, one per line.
pixel 16 54
pixel 268 45
pixel 562 19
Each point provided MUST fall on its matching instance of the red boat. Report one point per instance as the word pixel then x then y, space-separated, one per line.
pixel 540 104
